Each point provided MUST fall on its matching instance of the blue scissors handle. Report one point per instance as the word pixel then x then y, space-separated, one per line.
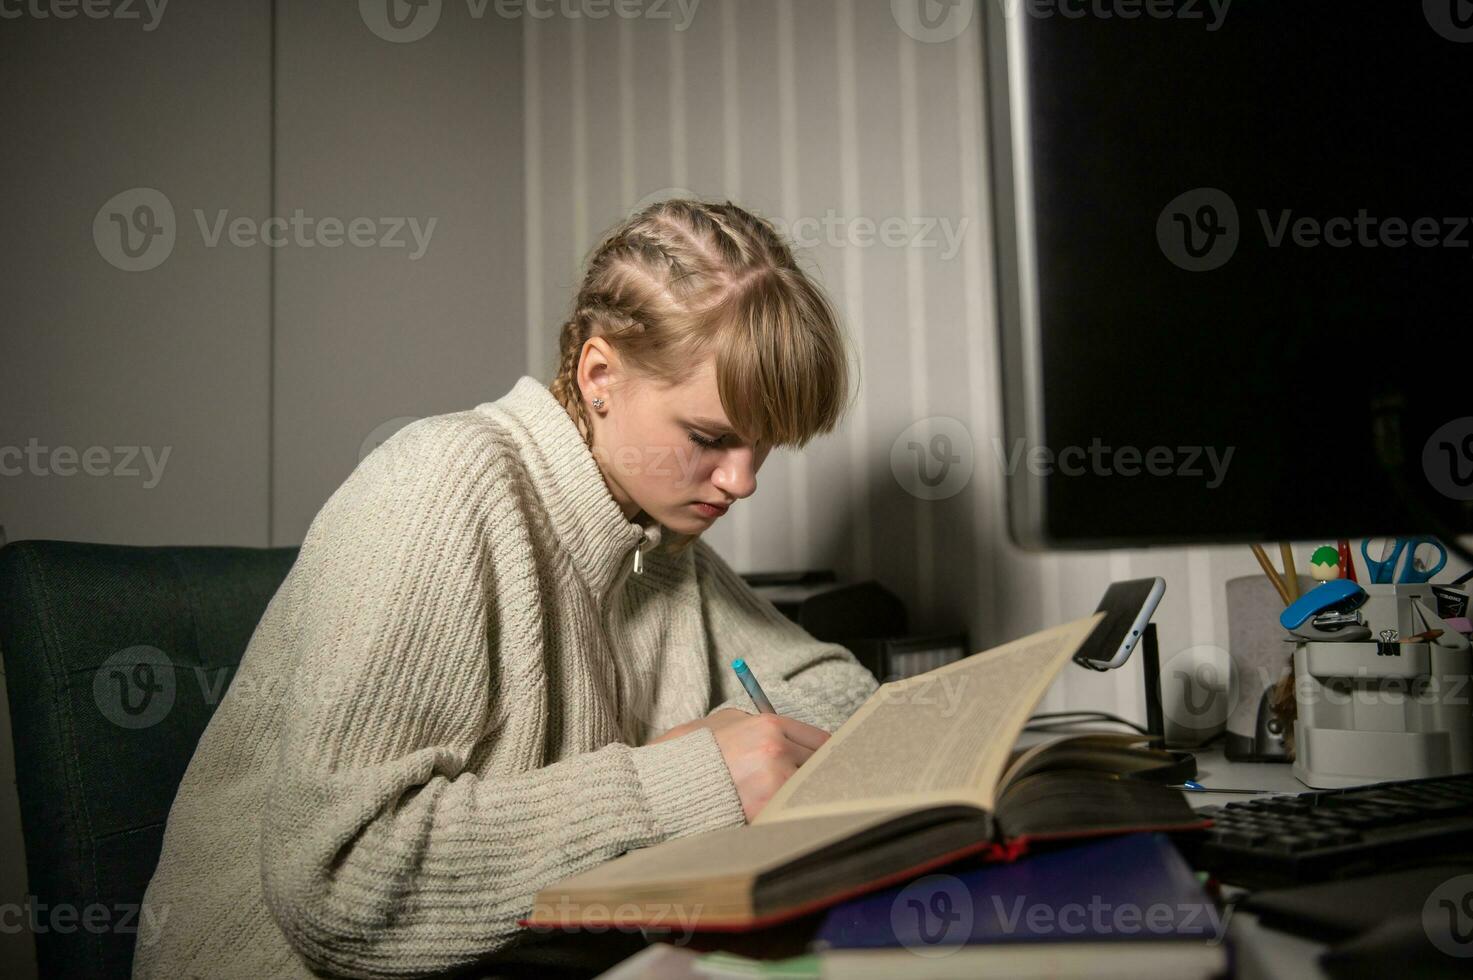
pixel 1410 572
pixel 1383 571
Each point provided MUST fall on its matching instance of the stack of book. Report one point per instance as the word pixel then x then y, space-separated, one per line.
pixel 1126 907
pixel 928 773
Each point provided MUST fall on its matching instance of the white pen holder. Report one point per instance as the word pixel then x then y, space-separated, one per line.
pixel 1378 709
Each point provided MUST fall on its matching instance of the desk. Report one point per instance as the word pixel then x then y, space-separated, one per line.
pixel 1261 953
pixel 1214 768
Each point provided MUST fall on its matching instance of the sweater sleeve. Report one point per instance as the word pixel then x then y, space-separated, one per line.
pixel 385 850
pixel 804 678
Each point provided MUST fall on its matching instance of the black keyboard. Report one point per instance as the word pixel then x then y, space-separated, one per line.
pixel 1338 833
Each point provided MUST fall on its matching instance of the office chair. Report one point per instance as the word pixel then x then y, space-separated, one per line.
pixel 115 659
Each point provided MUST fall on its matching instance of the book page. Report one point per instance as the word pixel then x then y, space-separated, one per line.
pixel 1102 748
pixel 940 737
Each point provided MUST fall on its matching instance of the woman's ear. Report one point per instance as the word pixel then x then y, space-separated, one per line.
pixel 598 368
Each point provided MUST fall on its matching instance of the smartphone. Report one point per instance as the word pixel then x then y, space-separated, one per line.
pixel 1128 607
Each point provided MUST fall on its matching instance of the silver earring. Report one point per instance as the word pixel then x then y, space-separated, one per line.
pixel 598 403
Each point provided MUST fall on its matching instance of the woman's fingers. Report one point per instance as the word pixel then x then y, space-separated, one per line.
pixel 804 734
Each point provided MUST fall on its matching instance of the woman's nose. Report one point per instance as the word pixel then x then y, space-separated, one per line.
pixel 736 476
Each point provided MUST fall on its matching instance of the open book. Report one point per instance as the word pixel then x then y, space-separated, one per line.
pixel 925 772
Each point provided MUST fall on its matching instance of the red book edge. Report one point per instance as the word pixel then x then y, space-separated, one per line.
pixel 992 851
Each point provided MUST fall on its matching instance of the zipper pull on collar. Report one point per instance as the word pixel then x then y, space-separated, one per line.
pixel 649 538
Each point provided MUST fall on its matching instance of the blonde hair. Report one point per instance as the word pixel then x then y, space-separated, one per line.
pixel 683 278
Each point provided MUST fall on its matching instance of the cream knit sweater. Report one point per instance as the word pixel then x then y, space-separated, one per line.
pixel 445 707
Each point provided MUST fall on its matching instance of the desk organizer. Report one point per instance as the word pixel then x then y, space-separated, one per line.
pixel 1375 710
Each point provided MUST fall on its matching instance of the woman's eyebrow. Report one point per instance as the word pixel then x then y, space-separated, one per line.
pixel 711 424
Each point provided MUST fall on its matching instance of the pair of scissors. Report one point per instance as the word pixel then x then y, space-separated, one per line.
pixel 1420 552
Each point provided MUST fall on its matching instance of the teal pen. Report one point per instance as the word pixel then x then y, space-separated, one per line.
pixel 744 673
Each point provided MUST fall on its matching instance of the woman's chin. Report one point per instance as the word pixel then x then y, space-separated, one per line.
pixel 686 522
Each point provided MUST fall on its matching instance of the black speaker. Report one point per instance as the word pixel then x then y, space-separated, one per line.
pixel 831 610
pixel 864 617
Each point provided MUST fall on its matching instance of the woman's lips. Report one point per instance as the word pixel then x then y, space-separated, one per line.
pixel 710 510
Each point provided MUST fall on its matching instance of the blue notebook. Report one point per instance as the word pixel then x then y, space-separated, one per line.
pixel 1128 888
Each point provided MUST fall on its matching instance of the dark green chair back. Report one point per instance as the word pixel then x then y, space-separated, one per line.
pixel 115 658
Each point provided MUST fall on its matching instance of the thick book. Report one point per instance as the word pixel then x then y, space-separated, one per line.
pixel 923 774
pixel 1125 906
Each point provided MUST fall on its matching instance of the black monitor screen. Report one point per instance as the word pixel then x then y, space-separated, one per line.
pixel 1233 240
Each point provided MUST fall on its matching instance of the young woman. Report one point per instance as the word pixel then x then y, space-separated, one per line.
pixel 502 655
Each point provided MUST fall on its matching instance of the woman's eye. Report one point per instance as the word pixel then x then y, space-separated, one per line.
pixel 702 441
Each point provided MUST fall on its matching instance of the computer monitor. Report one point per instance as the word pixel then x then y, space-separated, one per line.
pixel 1235 267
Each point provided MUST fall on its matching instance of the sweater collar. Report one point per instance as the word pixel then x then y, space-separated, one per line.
pixel 584 514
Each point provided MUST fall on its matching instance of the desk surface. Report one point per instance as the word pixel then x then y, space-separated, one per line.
pixel 1261 953
pixel 1214 769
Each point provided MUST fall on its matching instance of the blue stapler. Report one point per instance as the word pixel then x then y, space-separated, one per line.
pixel 1335 596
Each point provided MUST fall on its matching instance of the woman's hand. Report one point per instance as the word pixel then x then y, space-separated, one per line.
pixel 762 751
pixel 715 721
